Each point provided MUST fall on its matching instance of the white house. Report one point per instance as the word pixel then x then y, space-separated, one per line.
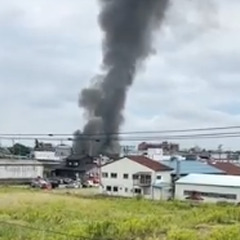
pixel 155 154
pixel 209 188
pixel 46 156
pixel 136 175
pixel 52 154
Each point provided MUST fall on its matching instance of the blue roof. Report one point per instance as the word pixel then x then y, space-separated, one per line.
pixel 187 167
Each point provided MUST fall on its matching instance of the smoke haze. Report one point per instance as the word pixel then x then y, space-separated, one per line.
pixel 128 27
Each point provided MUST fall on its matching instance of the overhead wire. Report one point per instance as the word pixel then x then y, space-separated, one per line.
pixel 134 138
pixel 122 133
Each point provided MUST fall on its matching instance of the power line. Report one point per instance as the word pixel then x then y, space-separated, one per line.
pixel 137 138
pixel 123 133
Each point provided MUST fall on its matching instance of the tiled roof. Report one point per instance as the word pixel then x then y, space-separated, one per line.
pixel 149 163
pixel 227 167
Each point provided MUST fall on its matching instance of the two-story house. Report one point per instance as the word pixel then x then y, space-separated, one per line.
pixel 136 175
pixel 78 166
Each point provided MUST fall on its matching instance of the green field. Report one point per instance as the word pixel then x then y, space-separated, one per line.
pixel 26 215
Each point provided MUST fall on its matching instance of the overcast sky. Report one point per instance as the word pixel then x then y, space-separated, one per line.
pixel 51 49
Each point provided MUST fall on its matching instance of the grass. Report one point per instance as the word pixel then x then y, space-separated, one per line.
pixel 47 215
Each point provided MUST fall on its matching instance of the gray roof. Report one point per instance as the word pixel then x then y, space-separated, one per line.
pixel 187 167
pixel 210 180
pixel 18 162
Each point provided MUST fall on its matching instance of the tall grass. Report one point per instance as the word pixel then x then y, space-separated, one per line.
pixel 109 218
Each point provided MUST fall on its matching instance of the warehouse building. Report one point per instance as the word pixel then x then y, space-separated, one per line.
pixel 208 188
pixel 19 171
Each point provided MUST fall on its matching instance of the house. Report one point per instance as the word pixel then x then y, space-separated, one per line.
pixel 167 148
pixel 136 175
pixel 4 152
pixel 228 167
pixel 51 157
pixel 46 156
pixel 81 166
pixel 208 188
pixel 63 151
pixel 19 171
pixel 47 152
pixel 218 155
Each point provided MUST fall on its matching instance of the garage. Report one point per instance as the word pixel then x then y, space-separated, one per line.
pixel 208 188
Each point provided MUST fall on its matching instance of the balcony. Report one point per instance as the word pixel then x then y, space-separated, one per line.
pixel 143 179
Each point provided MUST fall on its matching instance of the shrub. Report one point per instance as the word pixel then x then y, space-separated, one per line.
pixel 182 234
pixel 226 233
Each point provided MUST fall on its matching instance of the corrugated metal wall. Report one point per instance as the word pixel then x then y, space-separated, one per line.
pixel 20 172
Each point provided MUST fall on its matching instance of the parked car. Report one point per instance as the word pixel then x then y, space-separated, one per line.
pixel 74 184
pixel 67 180
pixel 54 182
pixel 88 183
pixel 39 183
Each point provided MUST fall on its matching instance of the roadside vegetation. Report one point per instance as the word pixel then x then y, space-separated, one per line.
pixel 29 215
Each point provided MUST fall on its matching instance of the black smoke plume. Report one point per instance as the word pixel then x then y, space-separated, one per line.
pixel 128 27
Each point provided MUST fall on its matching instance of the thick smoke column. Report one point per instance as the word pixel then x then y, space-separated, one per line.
pixel 128 26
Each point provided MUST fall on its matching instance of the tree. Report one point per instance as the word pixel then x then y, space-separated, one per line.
pixel 20 149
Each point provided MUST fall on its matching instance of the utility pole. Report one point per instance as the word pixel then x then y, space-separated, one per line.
pixel 178 168
pixel 220 151
pixel 90 148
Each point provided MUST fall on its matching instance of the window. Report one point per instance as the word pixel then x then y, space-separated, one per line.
pixel 159 177
pixel 115 189
pixel 126 189
pixel 145 179
pixel 212 195
pixel 125 176
pixel 113 175
pixel 104 174
pixel 109 188
pixel 137 191
pixel 148 177
pixel 135 177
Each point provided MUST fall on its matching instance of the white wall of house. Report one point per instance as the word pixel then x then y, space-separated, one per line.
pixel 155 154
pixel 122 183
pixel 46 155
pixel 20 171
pixel 219 155
pixel 211 194
pixel 161 193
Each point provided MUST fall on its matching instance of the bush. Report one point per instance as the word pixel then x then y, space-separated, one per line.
pixel 226 233
pixel 182 234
